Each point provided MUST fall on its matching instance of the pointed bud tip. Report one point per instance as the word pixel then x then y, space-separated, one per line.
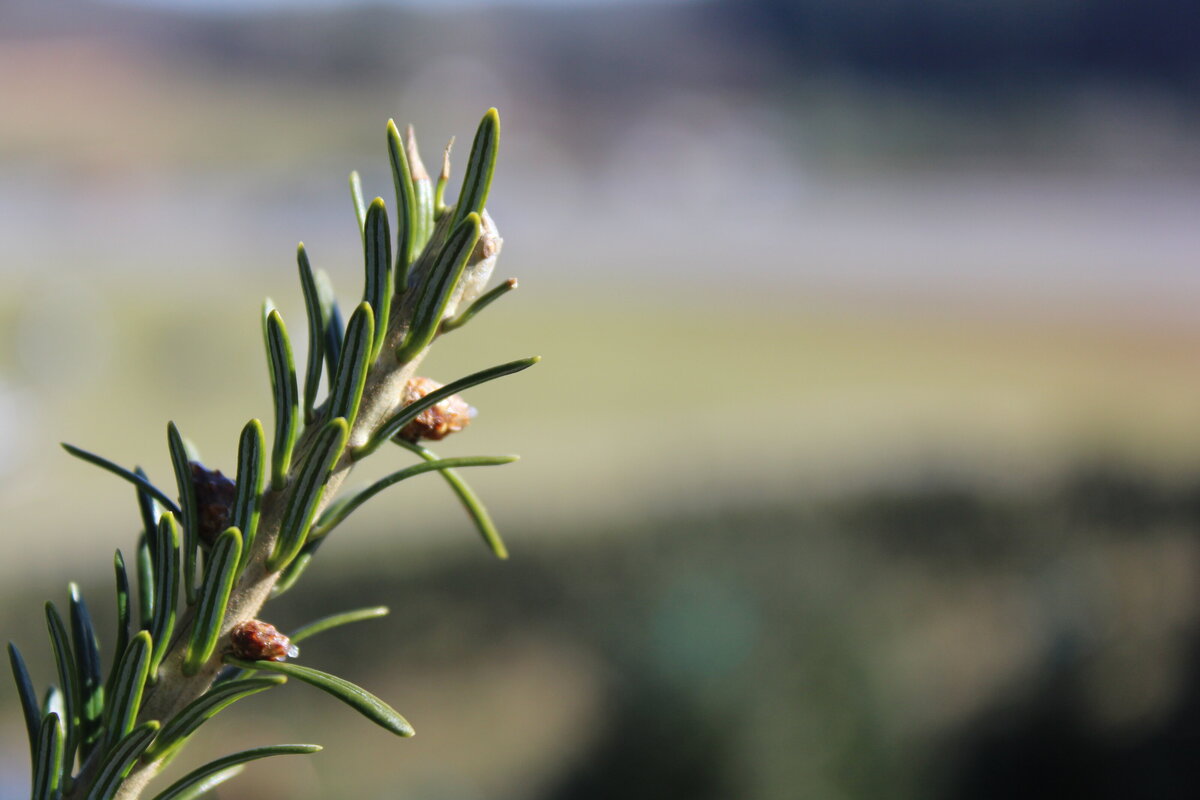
pixel 419 173
pixel 445 173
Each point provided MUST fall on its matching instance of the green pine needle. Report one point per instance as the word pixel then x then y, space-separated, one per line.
pixel 184 787
pixel 91 737
pixel 336 620
pixel 354 696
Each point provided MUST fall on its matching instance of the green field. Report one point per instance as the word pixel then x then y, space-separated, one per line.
pixel 638 407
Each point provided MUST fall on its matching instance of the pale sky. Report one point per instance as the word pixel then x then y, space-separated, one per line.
pixel 254 5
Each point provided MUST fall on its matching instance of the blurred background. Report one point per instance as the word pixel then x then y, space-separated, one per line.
pixel 864 461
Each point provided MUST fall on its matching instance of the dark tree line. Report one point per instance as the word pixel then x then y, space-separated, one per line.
pixel 952 42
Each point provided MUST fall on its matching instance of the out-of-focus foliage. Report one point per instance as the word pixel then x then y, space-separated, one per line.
pixel 938 640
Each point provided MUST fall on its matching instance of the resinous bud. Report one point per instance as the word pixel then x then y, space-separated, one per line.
pixel 439 420
pixel 255 640
pixel 215 496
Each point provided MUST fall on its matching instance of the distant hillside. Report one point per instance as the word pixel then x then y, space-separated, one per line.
pixel 1022 44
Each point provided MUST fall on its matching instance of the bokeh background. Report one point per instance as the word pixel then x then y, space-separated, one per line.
pixel 864 461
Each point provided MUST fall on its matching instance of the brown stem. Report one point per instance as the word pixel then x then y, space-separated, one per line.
pixel 381 394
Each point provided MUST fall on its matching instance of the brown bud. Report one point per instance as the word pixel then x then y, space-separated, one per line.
pixel 214 501
pixel 439 420
pixel 255 640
